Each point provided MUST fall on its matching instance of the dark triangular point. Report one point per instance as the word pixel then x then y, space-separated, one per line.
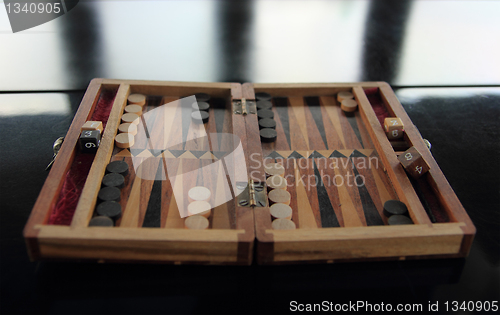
pixel 177 153
pixel 356 153
pixel 354 125
pixel 372 215
pixel 328 216
pixel 337 154
pixel 219 109
pixel 198 154
pixel 135 152
pixel 186 122
pixel 156 152
pixel 218 154
pixel 315 109
pixel 281 107
pixel 152 217
pixel 295 155
pixel 275 155
pixel 316 155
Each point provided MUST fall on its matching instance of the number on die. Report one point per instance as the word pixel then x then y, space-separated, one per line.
pixel 394 128
pixel 90 136
pixel 413 162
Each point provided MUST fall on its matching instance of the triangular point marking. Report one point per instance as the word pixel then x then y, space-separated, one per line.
pixel 124 152
pixel 295 155
pixel 187 155
pixel 274 155
pixel 177 153
pixel 145 154
pixel 346 152
pixel 337 154
pixel 168 155
pixel 198 154
pixel 356 153
pixel 208 156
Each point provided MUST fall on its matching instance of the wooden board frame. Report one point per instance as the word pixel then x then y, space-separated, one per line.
pixel 78 241
pixel 421 240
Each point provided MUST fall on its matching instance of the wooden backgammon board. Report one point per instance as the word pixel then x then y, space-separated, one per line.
pixel 217 173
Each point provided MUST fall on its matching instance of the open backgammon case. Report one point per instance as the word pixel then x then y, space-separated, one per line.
pixel 283 173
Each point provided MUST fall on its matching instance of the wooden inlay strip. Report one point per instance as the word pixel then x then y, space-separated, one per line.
pixel 306 218
pixel 333 139
pixel 297 106
pixel 314 124
pixel 347 206
pixel 330 104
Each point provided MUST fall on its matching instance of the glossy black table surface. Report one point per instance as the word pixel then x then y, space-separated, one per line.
pixel 440 57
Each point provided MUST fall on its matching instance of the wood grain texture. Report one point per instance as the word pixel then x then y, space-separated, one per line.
pixel 52 187
pixel 136 244
pixel 330 106
pixel 442 187
pixel 331 218
pixel 307 217
pixel 367 242
pixel 395 171
pixel 353 137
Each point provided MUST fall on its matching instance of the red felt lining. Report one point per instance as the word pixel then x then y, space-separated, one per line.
pixel 63 211
pixel 378 105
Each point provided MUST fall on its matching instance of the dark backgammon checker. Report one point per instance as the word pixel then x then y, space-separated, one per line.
pixel 267 123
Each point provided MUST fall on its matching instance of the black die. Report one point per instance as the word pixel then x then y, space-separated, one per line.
pixel 89 141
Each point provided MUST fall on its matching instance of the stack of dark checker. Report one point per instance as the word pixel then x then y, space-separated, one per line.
pixel 109 209
pixel 397 212
pixel 267 124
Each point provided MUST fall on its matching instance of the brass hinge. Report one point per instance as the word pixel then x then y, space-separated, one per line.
pixel 244 107
pixel 253 194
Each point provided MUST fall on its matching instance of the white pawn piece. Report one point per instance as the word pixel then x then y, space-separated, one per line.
pixel 280 211
pixel 130 118
pixel 133 109
pixel 128 128
pixel 137 99
pixel 283 224
pixel 196 222
pixel 349 105
pixel 279 196
pixel 199 207
pixel 124 140
pixel 344 95
pixel 199 193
